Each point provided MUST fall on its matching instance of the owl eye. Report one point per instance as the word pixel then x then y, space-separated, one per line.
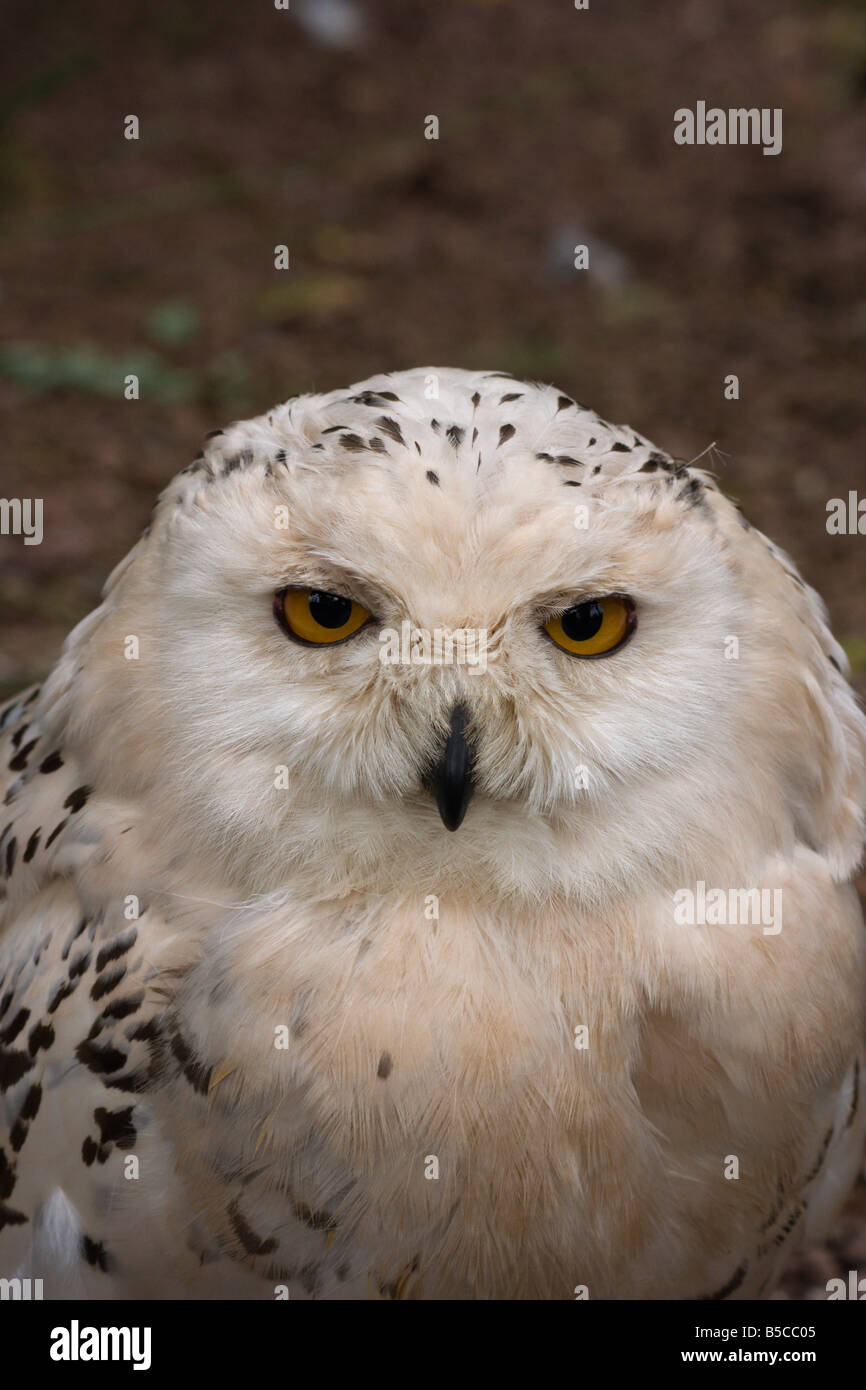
pixel 316 618
pixel 595 628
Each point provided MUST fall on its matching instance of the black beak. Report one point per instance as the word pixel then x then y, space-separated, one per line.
pixel 451 779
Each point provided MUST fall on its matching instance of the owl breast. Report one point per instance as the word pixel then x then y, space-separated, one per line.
pixel 487 1094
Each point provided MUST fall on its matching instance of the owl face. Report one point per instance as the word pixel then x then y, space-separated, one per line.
pixel 617 711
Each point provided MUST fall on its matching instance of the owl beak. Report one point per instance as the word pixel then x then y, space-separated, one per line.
pixel 450 781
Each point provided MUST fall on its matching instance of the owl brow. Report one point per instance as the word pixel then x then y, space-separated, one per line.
pixel 558 600
pixel 331 581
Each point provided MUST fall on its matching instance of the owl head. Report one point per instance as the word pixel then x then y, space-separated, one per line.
pixel 630 685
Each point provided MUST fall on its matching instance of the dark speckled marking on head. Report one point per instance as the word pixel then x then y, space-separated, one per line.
pixel 432 477
pixel 235 461
pixel 692 494
pixel 476 399
pixel 198 465
pixel 511 396
pixel 352 442
pixel 654 462
pixel 620 448
pixel 388 425
pixel 32 845
pixel 505 432
pixel 455 435
pixel 385 1067
pixel 372 398
pixel 563 403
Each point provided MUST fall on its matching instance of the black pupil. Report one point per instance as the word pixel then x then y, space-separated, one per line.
pixel 329 610
pixel 582 621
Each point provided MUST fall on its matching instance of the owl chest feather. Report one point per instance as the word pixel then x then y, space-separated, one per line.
pixel 423 1083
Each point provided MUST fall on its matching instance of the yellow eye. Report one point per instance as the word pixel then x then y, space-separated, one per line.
pixel 317 618
pixel 594 628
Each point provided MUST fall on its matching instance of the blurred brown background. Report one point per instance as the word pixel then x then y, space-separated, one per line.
pixel 260 126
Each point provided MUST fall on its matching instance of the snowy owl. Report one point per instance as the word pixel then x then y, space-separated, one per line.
pixel 427 876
